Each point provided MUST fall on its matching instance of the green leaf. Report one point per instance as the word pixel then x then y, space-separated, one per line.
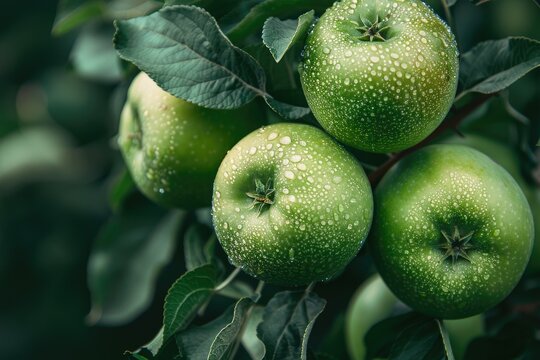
pixel 279 36
pixel 73 13
pixel 94 57
pixel 125 261
pixel 199 246
pixel 185 52
pixel 253 345
pixel 451 2
pixel 258 14
pixel 215 339
pixel 287 322
pixel 492 66
pixel 121 188
pixel 186 296
pixel 407 336
pixel 287 111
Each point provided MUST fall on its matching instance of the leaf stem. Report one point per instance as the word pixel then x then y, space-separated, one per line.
pixel 228 280
pixel 451 123
pixel 446 340
pixel 450 19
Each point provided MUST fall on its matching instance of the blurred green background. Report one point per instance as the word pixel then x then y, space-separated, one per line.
pixel 60 99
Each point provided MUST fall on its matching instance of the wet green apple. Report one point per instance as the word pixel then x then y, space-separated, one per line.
pixel 452 232
pixel 290 205
pixel 173 148
pixel 380 75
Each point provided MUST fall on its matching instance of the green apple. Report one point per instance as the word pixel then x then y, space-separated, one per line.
pixel 452 233
pixel 173 148
pixel 290 205
pixel 380 75
pixel 374 302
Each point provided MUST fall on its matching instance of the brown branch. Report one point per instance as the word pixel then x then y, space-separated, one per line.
pixel 451 123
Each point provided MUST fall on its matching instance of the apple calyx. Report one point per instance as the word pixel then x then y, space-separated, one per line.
pixel 263 195
pixel 456 246
pixel 374 30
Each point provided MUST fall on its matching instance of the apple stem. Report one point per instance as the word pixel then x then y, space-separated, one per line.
pixel 451 123
pixel 228 280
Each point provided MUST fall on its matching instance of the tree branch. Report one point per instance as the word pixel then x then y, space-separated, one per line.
pixel 451 123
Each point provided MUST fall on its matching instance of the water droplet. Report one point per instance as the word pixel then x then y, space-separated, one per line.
pixel 225 226
pixel 394 55
pixel 497 232
pixel 285 140
pixel 422 33
pixel 272 136
pixel 292 198
pixel 348 53
pixel 337 179
pixel 296 158
pixel 285 191
pixel 301 166
pixel 289 175
pixel 302 227
pixel 347 81
pixel 310 179
pixel 291 254
pixel 252 150
pixel 423 40
pixel 340 208
pixel 374 59
pixel 218 194
pixel 326 50
pixel 239 227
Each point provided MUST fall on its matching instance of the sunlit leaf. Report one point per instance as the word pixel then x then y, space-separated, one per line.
pixel 279 36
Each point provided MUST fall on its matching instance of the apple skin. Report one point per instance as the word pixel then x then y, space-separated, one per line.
pixel 380 96
pixel 434 191
pixel 321 212
pixel 374 302
pixel 509 159
pixel 173 148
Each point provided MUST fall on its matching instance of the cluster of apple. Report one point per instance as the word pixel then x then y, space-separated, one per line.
pixel 450 230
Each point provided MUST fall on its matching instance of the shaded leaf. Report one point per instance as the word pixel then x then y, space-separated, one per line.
pixel 511 342
pixel 407 336
pixel 287 111
pixel 185 52
pixel 255 18
pixel 186 296
pixel 73 13
pixel 280 35
pixel 215 339
pixel 492 66
pixel 451 2
pixel 125 261
pixel 122 187
pixel 93 55
pixel 253 345
pixel 287 322
pixel 199 246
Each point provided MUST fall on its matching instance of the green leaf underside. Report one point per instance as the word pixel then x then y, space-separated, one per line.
pixel 185 52
pixel 186 296
pixel 287 322
pixel 125 261
pixel 216 339
pixel 279 36
pixel 492 66
pixel 407 336
pixel 287 111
